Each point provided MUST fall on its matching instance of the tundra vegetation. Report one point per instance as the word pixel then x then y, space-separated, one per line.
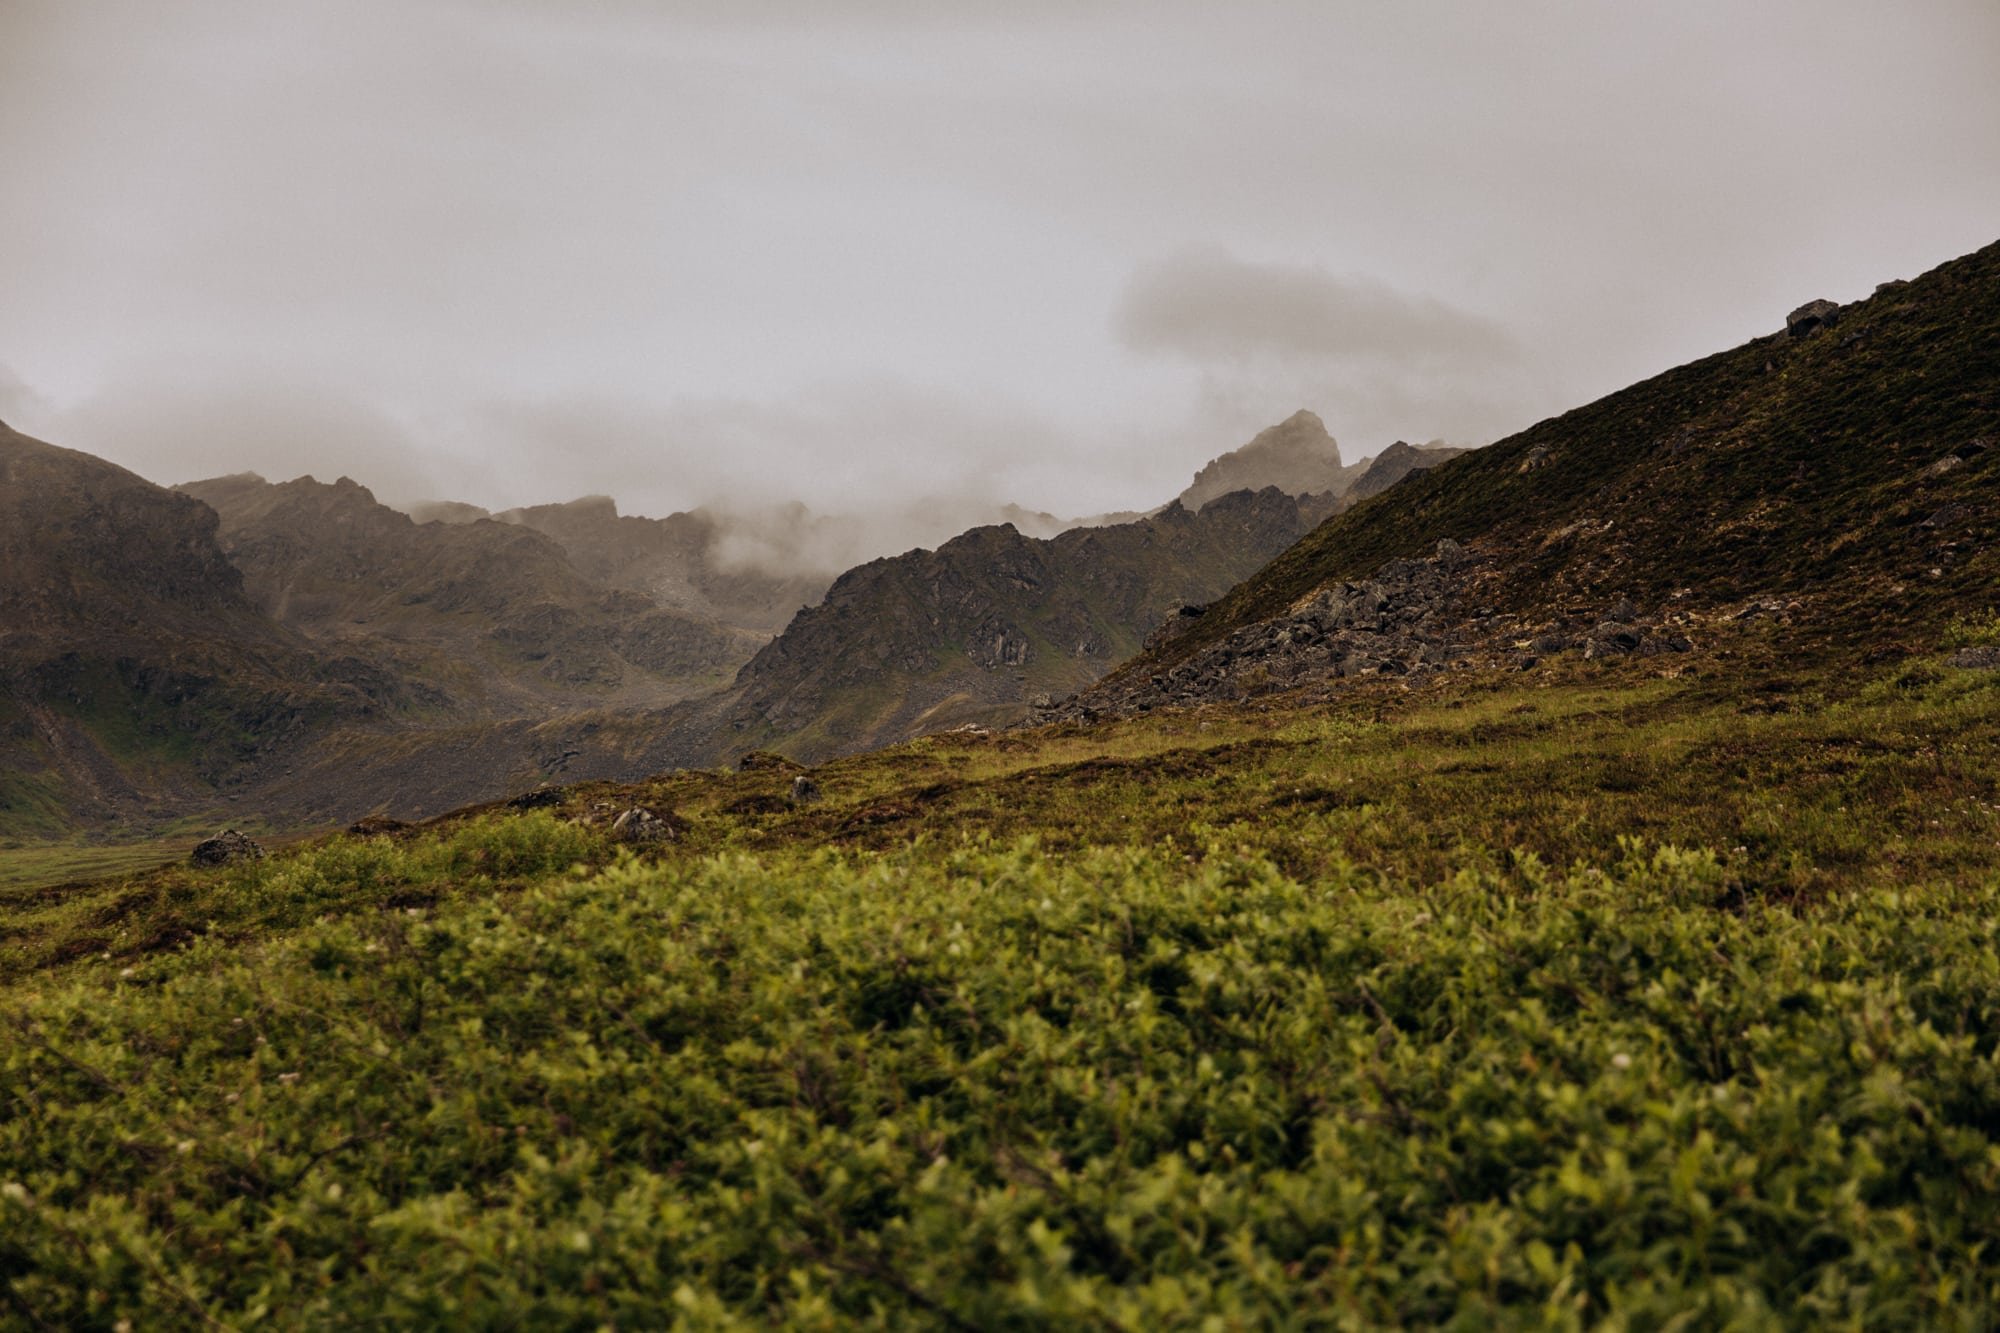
pixel 1629 992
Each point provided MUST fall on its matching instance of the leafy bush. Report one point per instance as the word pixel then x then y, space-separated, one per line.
pixel 990 1085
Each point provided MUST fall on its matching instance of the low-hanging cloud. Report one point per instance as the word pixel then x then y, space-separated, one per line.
pixel 20 405
pixel 862 447
pixel 193 426
pixel 1207 305
pixel 1377 362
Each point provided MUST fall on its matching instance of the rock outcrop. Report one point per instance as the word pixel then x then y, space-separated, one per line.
pixel 1810 318
pixel 225 847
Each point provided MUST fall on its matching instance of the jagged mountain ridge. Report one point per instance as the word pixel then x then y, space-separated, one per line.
pixel 334 654
pixel 1297 456
pixel 496 612
pixel 1841 475
pixel 972 631
pixel 1393 464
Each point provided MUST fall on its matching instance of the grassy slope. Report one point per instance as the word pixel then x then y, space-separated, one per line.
pixel 1791 467
pixel 1522 1000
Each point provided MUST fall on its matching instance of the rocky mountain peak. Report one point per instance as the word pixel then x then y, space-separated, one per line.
pixel 1297 456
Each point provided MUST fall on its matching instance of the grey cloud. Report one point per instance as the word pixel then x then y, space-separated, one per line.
pixel 865 446
pixel 20 406
pixel 1208 305
pixel 864 254
pixel 1378 363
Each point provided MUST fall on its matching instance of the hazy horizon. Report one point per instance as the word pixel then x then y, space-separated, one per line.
pixel 891 258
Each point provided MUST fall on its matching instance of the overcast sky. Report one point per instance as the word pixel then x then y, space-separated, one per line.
pixel 519 250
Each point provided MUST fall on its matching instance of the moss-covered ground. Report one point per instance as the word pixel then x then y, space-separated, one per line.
pixel 1589 996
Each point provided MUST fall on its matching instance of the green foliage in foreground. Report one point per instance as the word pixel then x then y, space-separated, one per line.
pixel 994 1086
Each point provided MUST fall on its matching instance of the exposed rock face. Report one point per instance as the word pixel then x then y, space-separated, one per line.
pixel 1297 456
pixel 1401 622
pixel 483 610
pixel 973 630
pixel 83 540
pixel 1414 617
pixel 1984 657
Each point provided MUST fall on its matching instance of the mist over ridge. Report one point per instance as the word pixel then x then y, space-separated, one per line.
pixel 1048 257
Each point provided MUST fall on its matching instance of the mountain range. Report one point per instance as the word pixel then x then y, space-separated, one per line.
pixel 301 649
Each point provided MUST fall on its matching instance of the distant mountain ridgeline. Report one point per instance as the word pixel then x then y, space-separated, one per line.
pixel 973 631
pixel 493 614
pixel 747 566
pixel 681 561
pixel 994 622
pixel 305 650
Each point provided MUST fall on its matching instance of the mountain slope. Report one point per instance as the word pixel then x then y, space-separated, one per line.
pixel 676 561
pixel 1393 464
pixel 134 670
pixel 494 611
pixel 1830 471
pixel 973 630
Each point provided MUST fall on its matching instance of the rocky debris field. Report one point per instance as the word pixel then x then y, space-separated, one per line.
pixel 1413 618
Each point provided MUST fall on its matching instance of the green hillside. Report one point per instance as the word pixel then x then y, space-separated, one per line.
pixel 1608 994
pixel 1815 467
pixel 1517 986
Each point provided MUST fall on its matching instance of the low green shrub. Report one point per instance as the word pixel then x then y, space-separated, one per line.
pixel 990 1085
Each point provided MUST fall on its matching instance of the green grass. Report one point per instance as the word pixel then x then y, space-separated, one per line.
pixel 1581 997
pixel 37 865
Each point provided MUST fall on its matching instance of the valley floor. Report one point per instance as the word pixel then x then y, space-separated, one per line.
pixel 1549 998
